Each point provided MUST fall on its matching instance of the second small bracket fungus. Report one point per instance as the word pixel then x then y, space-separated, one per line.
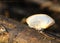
pixel 40 21
pixel 2 29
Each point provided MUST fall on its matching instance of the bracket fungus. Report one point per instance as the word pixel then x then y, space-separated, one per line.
pixel 2 29
pixel 40 21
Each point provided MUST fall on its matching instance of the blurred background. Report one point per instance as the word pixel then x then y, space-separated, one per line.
pixel 19 9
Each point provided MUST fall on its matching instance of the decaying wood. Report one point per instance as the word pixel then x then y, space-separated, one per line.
pixel 21 33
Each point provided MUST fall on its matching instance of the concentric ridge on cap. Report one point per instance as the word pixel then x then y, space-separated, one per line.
pixel 40 21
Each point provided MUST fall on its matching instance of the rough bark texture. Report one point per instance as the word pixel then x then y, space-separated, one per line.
pixel 21 33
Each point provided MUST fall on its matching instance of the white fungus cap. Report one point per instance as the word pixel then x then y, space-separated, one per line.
pixel 40 21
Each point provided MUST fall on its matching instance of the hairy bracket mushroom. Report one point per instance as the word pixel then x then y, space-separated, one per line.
pixel 40 21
